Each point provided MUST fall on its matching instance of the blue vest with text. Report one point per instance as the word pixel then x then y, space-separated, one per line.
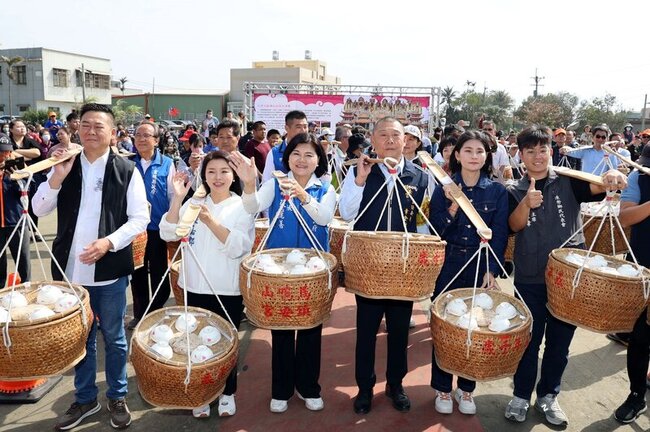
pixel 155 183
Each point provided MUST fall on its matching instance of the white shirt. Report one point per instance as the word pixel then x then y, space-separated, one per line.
pixel 220 261
pixel 92 175
pixel 351 194
pixel 321 212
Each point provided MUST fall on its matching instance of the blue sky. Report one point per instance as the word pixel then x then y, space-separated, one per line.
pixel 587 48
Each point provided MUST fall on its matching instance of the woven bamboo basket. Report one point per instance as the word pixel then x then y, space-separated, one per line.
pixel 287 302
pixel 139 246
pixel 337 230
pixel 509 254
pixel 374 267
pixel 161 381
pixel 603 243
pixel 173 282
pixel 601 303
pixel 261 227
pixel 491 355
pixel 172 247
pixel 647 320
pixel 49 346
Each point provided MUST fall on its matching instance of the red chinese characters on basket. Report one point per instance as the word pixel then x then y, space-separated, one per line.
pixel 286 294
pixel 427 258
pixel 556 276
pixel 505 343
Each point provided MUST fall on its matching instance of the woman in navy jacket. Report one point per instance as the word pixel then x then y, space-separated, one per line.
pixel 470 165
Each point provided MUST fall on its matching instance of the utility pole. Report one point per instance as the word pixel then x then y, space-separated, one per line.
pixel 83 83
pixel 645 104
pixel 484 91
pixel 537 84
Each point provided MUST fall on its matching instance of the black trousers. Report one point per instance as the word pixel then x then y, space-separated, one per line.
pixel 295 362
pixel 638 354
pixel 369 315
pixel 234 306
pixel 155 264
pixel 24 266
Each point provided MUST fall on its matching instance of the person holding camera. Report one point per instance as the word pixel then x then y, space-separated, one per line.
pixel 11 212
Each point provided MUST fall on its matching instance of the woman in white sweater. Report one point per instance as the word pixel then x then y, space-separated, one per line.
pixel 221 237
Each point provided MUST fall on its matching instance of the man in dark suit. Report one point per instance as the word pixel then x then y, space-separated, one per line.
pixel 359 188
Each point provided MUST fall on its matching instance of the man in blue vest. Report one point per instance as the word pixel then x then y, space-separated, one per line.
pixel 295 122
pixel 635 212
pixel 102 209
pixel 359 187
pixel 157 171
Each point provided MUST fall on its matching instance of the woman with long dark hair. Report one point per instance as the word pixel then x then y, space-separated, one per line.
pixel 221 237
pixel 470 164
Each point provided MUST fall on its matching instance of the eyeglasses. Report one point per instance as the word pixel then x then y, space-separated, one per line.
pixel 600 136
pixel 645 136
pixel 145 136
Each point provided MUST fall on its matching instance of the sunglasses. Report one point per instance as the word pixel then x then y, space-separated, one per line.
pixel 600 136
pixel 645 136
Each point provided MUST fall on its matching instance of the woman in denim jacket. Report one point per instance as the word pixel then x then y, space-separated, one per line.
pixel 470 163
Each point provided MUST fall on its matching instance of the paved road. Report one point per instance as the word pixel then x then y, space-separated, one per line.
pixel 595 384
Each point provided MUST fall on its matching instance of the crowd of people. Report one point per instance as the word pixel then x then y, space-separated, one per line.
pixel 152 172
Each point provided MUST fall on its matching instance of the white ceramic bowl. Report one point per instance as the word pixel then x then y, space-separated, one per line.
pixel 163 350
pixel 48 294
pixel 201 354
pixel 506 310
pixel 456 307
pixel 210 335
pixel 15 298
pixel 316 264
pixel 499 324
pixel 484 301
pixel 186 322
pixel 162 334
pixel 465 322
pixel 65 302
pixel 296 257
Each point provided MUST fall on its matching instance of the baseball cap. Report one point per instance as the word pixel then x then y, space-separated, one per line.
pixel 5 144
pixel 559 131
pixel 147 116
pixel 645 132
pixel 326 131
pixel 413 130
pixel 52 113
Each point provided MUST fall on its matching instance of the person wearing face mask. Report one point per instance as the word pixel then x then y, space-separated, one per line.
pixel 5 129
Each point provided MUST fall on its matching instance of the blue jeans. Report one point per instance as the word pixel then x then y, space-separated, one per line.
pixel 108 303
pixel 556 350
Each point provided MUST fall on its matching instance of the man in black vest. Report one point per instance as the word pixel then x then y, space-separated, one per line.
pixel 103 206
pixel 635 211
pixel 359 187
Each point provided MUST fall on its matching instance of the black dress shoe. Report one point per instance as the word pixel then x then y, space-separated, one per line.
pixel 363 402
pixel 401 402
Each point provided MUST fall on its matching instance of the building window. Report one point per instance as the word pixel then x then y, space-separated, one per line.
pixel 2 108
pixel 23 108
pixel 60 77
pixel 21 75
pixel 1 76
pixel 94 80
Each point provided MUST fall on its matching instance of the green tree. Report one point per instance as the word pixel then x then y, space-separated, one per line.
pixel 126 114
pixel 553 109
pixel 11 63
pixel 35 116
pixel 603 110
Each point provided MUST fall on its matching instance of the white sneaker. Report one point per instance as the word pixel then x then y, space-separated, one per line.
pixel 313 404
pixel 550 407
pixel 444 404
pixel 465 401
pixel 227 405
pixel 517 409
pixel 278 406
pixel 412 323
pixel 201 412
